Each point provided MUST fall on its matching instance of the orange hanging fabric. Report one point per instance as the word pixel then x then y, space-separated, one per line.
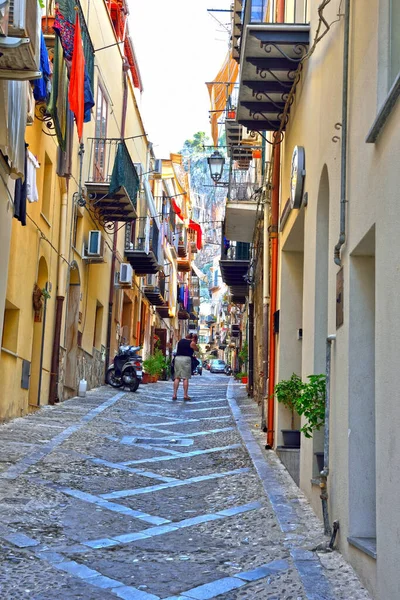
pixel 76 92
pixel 219 90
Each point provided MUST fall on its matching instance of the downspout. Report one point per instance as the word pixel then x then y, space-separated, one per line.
pixel 325 472
pixel 343 161
pixel 266 301
pixel 61 283
pixel 274 288
pixel 250 389
pixel 280 18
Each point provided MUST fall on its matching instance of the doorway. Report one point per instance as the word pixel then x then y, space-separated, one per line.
pixel 39 331
pixel 72 320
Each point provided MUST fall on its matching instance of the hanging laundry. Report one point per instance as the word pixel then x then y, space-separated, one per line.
pixel 40 86
pixel 20 195
pixel 30 178
pixel 197 228
pixel 76 96
pixel 65 31
pixel 88 98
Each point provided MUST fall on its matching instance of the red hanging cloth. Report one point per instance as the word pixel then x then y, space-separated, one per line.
pixel 196 227
pixel 76 93
pixel 176 208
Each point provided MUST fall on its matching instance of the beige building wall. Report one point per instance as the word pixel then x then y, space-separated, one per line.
pixel 364 398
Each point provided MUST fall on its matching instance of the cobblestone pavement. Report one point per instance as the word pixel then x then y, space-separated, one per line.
pixel 133 496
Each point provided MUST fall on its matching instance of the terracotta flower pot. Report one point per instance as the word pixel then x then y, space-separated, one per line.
pixel 256 153
pixel 47 24
pixel 245 379
pixel 145 378
pixel 231 114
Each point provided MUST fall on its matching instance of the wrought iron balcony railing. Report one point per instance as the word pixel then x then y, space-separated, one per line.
pixel 143 245
pixel 236 251
pixel 112 181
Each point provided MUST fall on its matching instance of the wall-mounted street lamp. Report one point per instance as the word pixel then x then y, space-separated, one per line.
pixel 216 165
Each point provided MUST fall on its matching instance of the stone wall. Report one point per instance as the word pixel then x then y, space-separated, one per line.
pixel 89 367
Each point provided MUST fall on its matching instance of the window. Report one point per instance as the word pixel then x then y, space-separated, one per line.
pixel 10 328
pixel 98 326
pixel 47 187
pixel 394 40
pixel 100 135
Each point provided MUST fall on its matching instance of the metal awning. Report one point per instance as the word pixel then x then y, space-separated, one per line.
pixel 270 55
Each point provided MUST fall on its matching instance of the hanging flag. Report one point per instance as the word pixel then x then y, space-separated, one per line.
pixel 197 228
pixel 76 93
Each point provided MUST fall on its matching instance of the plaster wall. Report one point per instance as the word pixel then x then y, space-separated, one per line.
pixel 372 204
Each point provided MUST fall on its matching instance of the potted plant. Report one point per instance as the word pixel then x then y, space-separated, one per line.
pixel 154 365
pixel 311 404
pixel 288 392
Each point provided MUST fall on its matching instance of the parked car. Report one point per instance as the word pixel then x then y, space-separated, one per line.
pixel 217 366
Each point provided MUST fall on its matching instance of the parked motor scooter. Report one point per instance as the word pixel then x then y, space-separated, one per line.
pixel 126 370
pixel 228 370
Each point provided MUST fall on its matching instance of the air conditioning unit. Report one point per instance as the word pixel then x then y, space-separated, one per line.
pixel 125 274
pixel 95 246
pixel 20 48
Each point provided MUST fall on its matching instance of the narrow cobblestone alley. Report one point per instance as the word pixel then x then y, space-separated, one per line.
pixel 133 496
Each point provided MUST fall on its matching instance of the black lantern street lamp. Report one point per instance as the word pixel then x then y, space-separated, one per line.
pixel 216 164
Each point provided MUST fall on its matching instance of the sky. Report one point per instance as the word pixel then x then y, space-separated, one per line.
pixel 179 46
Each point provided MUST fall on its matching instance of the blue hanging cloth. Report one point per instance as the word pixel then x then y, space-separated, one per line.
pixel 40 85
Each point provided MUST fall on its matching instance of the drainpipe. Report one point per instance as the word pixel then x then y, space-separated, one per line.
pixel 266 301
pixel 61 283
pixel 325 472
pixel 274 289
pixel 250 389
pixel 343 161
pixel 280 18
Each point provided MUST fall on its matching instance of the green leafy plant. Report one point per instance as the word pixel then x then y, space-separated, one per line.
pixel 240 375
pixel 46 294
pixel 244 354
pixel 155 363
pixel 307 399
pixel 311 404
pixel 288 393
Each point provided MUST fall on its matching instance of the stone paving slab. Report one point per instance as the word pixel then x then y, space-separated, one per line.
pixel 88 512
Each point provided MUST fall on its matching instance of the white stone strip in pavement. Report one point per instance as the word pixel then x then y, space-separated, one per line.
pixel 26 462
pixel 122 467
pixel 113 507
pixel 176 434
pixel 181 455
pixel 180 422
pixel 128 538
pixel 164 486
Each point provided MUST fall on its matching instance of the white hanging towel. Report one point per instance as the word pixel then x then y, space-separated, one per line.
pixel 31 187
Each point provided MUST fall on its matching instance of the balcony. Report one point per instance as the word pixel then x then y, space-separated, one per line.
pixel 112 182
pixel 270 55
pixel 241 210
pixel 142 245
pixel 234 265
pixel 192 237
pixel 20 41
pixel 154 290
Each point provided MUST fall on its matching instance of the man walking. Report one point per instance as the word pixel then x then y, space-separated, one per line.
pixel 183 365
